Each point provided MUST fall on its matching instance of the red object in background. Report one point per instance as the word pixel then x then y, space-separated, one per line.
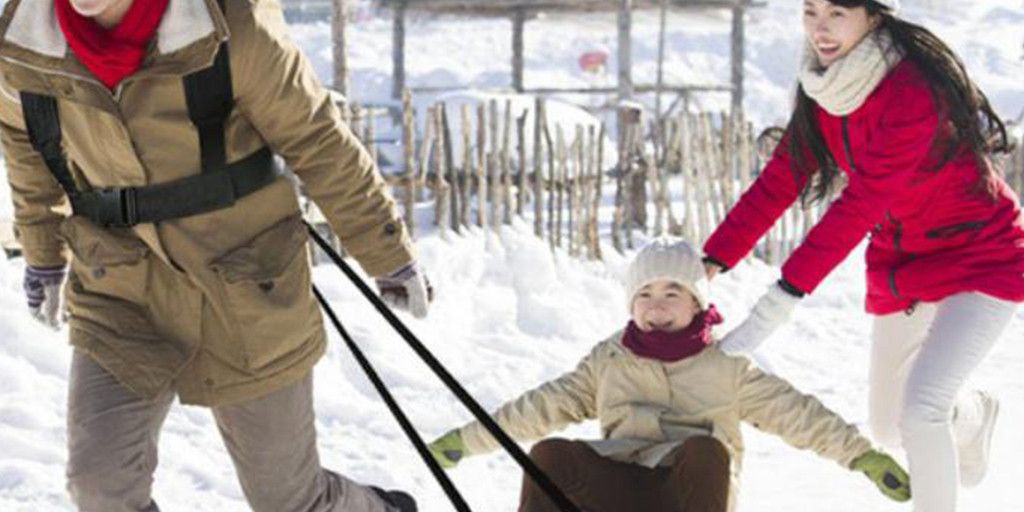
pixel 594 61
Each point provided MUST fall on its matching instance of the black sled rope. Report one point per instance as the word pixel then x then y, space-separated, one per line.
pixel 538 476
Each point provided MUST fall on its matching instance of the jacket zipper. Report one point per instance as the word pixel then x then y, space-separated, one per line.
pixel 897 237
pixel 898 234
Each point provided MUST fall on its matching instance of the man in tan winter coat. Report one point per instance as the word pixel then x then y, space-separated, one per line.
pixel 189 274
pixel 670 406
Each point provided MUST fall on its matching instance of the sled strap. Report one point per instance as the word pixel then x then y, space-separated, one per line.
pixel 396 410
pixel 524 461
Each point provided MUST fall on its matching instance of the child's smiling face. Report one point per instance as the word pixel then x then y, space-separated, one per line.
pixel 663 305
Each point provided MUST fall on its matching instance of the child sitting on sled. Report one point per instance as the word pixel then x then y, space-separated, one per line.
pixel 670 406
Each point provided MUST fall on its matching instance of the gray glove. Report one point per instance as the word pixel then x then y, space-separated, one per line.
pixel 407 289
pixel 772 310
pixel 42 290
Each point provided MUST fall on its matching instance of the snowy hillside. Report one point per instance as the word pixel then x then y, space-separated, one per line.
pixel 509 315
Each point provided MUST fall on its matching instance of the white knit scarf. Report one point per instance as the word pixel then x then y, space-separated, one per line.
pixel 842 87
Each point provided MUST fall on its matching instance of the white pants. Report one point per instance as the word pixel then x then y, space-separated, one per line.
pixel 919 363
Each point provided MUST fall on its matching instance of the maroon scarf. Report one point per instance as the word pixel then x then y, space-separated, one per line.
pixel 111 55
pixel 673 346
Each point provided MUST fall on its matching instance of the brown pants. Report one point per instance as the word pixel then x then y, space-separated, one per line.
pixel 112 445
pixel 697 482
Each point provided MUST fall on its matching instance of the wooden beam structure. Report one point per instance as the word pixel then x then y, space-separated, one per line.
pixel 738 57
pixel 625 65
pixel 398 50
pixel 519 11
pixel 339 22
pixel 518 27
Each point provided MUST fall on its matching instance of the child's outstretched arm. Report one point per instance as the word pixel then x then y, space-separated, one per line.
pixel 546 408
pixel 773 405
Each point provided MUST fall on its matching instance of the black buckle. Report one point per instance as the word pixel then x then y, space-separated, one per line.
pixel 109 207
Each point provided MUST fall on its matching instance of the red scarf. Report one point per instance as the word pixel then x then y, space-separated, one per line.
pixel 673 346
pixel 112 54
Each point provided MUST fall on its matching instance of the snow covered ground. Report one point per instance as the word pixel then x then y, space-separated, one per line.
pixel 506 318
pixel 509 314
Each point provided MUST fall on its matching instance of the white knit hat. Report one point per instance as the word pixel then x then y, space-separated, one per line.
pixel 669 258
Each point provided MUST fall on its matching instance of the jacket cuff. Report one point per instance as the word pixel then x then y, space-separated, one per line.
pixel 383 249
pixel 791 289
pixel 40 245
pixel 710 260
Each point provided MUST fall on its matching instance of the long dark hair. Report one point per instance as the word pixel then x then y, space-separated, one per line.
pixel 966 119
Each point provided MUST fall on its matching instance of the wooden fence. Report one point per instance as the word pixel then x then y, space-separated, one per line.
pixel 681 176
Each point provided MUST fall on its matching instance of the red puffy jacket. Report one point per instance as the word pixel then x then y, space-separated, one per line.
pixel 933 232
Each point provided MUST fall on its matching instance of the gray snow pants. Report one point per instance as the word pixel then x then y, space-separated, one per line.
pixel 112 448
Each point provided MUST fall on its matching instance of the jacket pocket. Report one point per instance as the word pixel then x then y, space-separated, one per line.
pixel 107 261
pixel 267 291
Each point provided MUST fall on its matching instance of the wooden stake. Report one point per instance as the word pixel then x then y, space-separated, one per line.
pixel 409 158
pixel 538 185
pixel 482 167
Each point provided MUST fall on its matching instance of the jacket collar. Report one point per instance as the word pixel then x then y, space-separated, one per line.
pixel 186 41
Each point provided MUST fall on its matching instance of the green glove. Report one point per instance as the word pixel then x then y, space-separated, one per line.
pixel 885 472
pixel 448 449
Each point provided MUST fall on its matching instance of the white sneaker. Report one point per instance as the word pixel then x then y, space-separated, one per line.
pixel 974 454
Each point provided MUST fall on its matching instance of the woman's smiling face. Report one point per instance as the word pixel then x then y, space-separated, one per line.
pixel 833 30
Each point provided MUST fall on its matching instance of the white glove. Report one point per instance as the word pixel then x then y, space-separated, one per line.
pixel 772 310
pixel 407 289
pixel 42 287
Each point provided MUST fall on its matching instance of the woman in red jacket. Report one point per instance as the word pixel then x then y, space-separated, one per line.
pixel 888 104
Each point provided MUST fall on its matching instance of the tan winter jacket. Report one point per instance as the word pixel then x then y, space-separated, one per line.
pixel 647 408
pixel 217 305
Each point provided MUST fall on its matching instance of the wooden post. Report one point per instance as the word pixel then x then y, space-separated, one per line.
pixel 518 24
pixel 339 21
pixel 738 57
pixel 579 199
pixel 440 160
pixel 493 164
pixel 625 49
pixel 728 155
pixel 539 122
pixel 587 198
pixel 506 165
pixel 629 119
pixel 425 147
pixel 598 194
pixel 482 166
pixel 449 167
pixel 560 183
pixel 662 19
pixel 746 149
pixel 704 208
pixel 398 48
pixel 409 157
pixel 467 165
pixel 710 160
pixel 638 186
pixel 549 144
pixel 691 227
pixel 574 189
pixel 521 176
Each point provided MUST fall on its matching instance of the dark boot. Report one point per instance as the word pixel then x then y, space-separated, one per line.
pixel 398 499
